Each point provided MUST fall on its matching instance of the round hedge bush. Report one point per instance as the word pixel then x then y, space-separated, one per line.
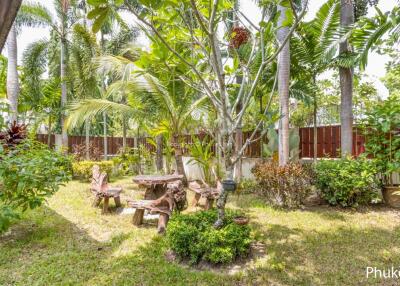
pixel 192 236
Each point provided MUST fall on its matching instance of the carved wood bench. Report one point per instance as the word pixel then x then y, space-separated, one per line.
pixel 205 191
pixel 174 198
pixel 103 191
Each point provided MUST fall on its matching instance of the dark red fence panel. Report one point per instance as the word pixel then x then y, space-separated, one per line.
pixel 328 142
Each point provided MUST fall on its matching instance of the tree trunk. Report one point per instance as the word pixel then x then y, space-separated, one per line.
pixel 12 73
pixel 229 172
pixel 87 139
pixel 49 133
pixel 315 129
pixel 238 138
pixel 64 95
pixel 283 89
pixel 178 158
pixel 159 153
pixel 346 84
pixel 105 150
pixel 124 129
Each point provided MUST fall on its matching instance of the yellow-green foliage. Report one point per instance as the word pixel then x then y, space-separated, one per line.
pixel 83 169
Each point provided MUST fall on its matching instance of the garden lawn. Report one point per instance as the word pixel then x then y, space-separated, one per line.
pixel 68 242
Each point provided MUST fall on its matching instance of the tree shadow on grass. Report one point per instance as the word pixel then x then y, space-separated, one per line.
pixel 47 249
pixel 337 257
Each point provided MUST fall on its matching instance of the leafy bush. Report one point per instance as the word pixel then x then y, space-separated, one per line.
pixel 383 137
pixel 285 186
pixel 83 169
pixel 127 161
pixel 347 182
pixel 7 215
pixel 29 172
pixel 193 236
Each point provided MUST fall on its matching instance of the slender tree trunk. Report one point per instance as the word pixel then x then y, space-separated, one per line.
pixel 137 146
pixel 238 140
pixel 124 130
pixel 159 153
pixel 315 110
pixel 49 133
pixel 262 128
pixel 87 139
pixel 283 89
pixel 346 84
pixel 64 95
pixel 12 73
pixel 105 150
pixel 239 130
pixel 178 158
pixel 229 175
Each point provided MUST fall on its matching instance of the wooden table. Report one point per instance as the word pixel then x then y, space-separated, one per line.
pixel 156 185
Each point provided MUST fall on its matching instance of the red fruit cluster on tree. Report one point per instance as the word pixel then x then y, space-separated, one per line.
pixel 239 36
pixel 14 135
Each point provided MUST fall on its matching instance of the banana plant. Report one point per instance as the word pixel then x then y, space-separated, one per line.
pixel 272 147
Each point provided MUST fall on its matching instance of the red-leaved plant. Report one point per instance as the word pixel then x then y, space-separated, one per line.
pixel 14 135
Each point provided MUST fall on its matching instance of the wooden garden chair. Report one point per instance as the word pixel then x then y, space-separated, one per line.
pixel 102 190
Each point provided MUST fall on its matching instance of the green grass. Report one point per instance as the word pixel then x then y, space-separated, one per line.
pixel 68 242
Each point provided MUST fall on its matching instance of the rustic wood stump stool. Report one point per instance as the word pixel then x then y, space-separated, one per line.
pixel 174 198
pixel 103 191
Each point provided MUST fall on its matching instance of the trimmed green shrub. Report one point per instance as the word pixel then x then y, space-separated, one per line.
pixel 83 169
pixel 347 182
pixel 193 236
pixel 29 173
pixel 283 186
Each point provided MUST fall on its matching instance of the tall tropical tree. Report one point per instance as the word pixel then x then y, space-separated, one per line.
pixel 314 46
pixel 283 85
pixel 346 82
pixel 30 14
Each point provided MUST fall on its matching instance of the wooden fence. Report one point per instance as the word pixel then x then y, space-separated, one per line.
pixel 328 142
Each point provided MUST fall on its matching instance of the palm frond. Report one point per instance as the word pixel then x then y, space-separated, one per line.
pixel 368 33
pixel 33 15
pixel 86 109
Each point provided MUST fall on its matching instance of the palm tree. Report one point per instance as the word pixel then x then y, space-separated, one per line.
pixel 314 47
pixel 283 87
pixel 346 83
pixel 144 95
pixel 30 14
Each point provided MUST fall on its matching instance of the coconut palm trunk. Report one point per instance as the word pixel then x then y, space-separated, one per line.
pixel 64 95
pixel 346 84
pixel 105 150
pixel 87 139
pixel 124 131
pixel 159 153
pixel 179 157
pixel 283 89
pixel 12 73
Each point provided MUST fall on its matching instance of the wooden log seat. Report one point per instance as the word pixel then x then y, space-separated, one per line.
pixel 103 191
pixel 173 199
pixel 203 190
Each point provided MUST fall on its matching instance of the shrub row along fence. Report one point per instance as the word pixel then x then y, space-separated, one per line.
pixel 328 142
